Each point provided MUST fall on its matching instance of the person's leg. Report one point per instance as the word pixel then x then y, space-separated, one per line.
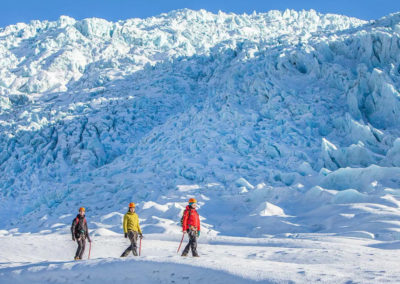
pixel 83 245
pixel 134 237
pixel 193 242
pixel 189 245
pixel 78 250
pixel 128 249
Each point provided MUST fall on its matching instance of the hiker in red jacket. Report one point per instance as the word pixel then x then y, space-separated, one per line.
pixel 191 225
pixel 80 232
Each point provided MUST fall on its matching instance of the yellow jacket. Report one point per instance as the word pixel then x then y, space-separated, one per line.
pixel 131 223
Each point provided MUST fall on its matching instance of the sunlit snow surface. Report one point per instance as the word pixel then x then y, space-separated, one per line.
pixel 293 259
pixel 278 123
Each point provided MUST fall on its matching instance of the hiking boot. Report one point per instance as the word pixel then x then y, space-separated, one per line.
pixel 196 255
pixel 135 253
pixel 184 254
pixel 76 258
pixel 124 255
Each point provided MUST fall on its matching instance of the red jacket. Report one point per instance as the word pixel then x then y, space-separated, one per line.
pixel 190 218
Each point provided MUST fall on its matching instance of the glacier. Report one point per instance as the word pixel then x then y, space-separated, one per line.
pixel 279 123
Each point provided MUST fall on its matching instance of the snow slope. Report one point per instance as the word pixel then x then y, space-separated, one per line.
pixel 283 122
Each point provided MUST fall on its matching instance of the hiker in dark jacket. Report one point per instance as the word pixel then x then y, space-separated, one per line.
pixel 191 226
pixel 80 232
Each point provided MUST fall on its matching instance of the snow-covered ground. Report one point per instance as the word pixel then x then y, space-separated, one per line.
pixel 304 258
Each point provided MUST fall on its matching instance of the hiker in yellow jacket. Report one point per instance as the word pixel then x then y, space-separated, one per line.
pixel 132 230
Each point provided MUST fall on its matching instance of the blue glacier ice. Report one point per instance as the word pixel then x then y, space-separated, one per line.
pixel 285 109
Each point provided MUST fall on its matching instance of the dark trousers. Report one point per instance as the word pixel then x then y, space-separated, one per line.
pixel 81 247
pixel 133 237
pixel 192 243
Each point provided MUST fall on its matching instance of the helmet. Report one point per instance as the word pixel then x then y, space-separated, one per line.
pixel 82 209
pixel 132 205
pixel 192 200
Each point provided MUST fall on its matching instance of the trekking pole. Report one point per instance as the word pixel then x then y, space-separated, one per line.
pixel 140 246
pixel 90 248
pixel 183 235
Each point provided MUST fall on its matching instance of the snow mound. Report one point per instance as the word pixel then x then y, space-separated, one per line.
pixel 349 196
pixel 269 209
pixel 362 179
pixel 103 232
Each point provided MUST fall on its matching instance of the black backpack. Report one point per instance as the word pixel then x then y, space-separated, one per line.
pixel 80 226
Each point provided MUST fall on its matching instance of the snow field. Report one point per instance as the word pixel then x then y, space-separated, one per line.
pixel 300 258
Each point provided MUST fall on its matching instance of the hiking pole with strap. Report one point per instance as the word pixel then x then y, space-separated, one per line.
pixel 140 246
pixel 90 248
pixel 183 235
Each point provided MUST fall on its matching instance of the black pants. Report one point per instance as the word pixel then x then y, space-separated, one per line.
pixel 133 236
pixel 192 243
pixel 81 247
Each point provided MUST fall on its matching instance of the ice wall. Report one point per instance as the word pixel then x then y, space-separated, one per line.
pixel 101 113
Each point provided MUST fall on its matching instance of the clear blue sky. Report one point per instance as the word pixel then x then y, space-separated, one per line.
pixel 13 11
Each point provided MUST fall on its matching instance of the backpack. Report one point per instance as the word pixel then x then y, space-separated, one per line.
pixel 190 212
pixel 80 227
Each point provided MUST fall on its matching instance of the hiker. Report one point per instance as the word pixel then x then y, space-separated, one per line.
pixel 80 232
pixel 132 229
pixel 191 226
